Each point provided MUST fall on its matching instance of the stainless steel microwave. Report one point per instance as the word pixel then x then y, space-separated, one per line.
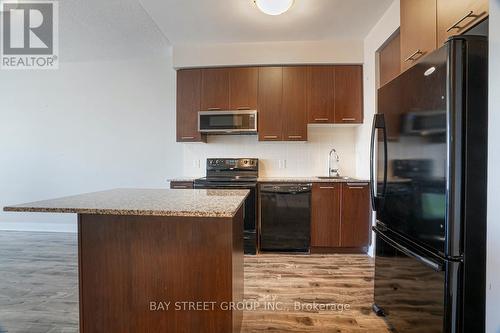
pixel 228 122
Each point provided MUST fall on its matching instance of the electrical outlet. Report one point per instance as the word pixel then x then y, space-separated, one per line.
pixel 196 164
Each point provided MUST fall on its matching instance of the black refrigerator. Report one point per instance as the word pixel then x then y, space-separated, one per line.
pixel 428 172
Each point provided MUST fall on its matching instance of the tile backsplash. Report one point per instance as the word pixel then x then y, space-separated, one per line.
pixel 278 159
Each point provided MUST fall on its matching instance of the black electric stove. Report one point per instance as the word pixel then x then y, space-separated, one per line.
pixel 236 173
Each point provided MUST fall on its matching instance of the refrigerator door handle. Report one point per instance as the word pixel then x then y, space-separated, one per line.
pixel 378 123
pixel 425 261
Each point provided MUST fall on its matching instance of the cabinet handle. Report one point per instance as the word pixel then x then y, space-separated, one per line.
pixel 348 119
pixel 356 187
pixel 295 136
pixel 214 109
pixel 456 24
pixel 243 108
pixel 179 186
pixel 358 184
pixel 321 119
pixel 411 57
pixel 327 187
pixel 187 137
pixel 270 136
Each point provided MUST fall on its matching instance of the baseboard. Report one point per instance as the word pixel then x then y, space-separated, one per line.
pixel 38 227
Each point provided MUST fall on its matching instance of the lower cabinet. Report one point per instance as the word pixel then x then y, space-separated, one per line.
pixel 340 217
pixel 355 216
pixel 325 214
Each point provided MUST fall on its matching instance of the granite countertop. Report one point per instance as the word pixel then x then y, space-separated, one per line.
pixel 309 180
pixel 154 202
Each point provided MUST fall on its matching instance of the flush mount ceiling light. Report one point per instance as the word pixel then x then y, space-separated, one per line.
pixel 274 7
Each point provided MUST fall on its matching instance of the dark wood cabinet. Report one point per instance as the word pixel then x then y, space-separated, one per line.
pixel 390 60
pixel 181 185
pixel 418 30
pixel 455 17
pixel 348 94
pixel 355 216
pixel 243 83
pixel 215 89
pixel 340 217
pixel 294 105
pixel 286 98
pixel 325 215
pixel 188 105
pixel 320 94
pixel 270 99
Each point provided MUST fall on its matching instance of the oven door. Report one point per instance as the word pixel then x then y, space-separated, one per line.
pixel 227 122
pixel 415 293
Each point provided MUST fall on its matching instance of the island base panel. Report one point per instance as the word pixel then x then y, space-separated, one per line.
pixel 129 264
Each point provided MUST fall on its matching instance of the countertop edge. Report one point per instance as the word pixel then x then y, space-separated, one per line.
pixel 121 212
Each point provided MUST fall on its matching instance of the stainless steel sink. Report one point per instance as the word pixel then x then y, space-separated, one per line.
pixel 334 177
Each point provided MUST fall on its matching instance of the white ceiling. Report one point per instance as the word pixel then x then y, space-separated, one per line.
pixel 220 21
pixel 107 30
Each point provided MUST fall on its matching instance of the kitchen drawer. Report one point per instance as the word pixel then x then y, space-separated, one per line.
pixel 181 185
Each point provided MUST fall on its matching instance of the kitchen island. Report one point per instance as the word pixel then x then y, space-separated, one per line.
pixel 157 260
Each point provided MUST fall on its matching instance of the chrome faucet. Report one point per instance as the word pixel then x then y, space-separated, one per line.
pixel 333 171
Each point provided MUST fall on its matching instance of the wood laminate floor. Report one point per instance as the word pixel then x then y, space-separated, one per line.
pixel 284 293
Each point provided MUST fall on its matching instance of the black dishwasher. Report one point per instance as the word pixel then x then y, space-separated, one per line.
pixel 285 219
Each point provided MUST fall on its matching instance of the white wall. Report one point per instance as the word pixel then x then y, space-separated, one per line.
pixel 380 33
pixel 93 124
pixel 268 53
pixel 84 127
pixel 384 28
pixel 493 256
pixel 301 158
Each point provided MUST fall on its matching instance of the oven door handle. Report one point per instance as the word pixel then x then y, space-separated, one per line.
pixel 425 261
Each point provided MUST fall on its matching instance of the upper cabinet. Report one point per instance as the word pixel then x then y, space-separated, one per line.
pixel 390 60
pixel 243 83
pixel 348 94
pixel 188 105
pixel 335 94
pixel 215 89
pixel 294 106
pixel 457 16
pixel 287 98
pixel 270 98
pixel 418 30
pixel 320 94
pixel 427 24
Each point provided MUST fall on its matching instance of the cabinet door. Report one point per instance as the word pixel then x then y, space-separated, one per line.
pixel 356 212
pixel 418 30
pixel 269 104
pixel 349 94
pixel 215 89
pixel 320 94
pixel 294 108
pixel 188 105
pixel 390 60
pixel 325 215
pixel 455 17
pixel 243 82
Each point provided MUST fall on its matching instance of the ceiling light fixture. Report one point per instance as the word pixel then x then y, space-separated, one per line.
pixel 274 7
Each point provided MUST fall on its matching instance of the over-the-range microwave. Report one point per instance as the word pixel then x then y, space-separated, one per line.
pixel 228 122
